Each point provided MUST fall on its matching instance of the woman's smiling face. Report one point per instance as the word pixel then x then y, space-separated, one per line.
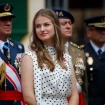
pixel 45 29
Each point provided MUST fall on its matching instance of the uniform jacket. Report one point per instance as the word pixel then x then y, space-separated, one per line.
pixel 15 48
pixel 74 50
pixel 96 76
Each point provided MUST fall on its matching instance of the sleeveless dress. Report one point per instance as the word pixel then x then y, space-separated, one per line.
pixel 51 88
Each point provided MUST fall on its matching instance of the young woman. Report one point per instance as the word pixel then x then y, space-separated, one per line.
pixel 46 71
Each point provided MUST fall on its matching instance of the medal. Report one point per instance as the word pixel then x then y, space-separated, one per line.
pixel 90 60
pixel 17 61
pixel 79 69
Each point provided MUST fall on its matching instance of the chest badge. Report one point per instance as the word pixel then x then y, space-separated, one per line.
pixel 79 69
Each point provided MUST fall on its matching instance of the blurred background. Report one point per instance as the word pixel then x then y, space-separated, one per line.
pixel 26 9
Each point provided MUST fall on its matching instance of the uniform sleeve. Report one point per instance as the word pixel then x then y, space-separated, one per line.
pixel 85 84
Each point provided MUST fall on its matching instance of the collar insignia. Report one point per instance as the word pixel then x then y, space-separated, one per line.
pixel 19 46
pixel 11 44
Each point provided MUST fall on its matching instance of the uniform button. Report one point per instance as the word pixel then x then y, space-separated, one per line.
pixel 91 79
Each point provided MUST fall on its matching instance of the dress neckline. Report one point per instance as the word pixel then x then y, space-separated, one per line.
pixel 50 49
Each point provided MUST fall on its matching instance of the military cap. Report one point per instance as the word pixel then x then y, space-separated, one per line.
pixel 98 22
pixel 6 10
pixel 63 14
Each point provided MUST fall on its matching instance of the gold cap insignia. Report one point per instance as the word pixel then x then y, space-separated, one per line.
pixel 56 13
pixel 59 13
pixel 7 7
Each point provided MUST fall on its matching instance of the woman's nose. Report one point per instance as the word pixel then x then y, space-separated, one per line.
pixel 42 28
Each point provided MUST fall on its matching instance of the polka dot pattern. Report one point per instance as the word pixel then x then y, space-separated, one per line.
pixel 51 88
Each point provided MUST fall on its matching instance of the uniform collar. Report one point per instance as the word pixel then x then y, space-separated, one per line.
pixel 67 47
pixel 2 44
pixel 67 44
pixel 97 48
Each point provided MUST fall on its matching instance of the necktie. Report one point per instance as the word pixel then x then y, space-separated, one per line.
pixel 99 52
pixel 6 51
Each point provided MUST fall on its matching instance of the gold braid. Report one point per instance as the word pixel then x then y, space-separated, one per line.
pixel 2 73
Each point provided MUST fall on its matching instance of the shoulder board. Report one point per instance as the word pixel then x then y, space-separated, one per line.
pixel 75 45
pixel 81 46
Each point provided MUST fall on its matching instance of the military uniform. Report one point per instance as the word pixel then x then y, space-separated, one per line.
pixel 10 54
pixel 78 59
pixel 95 64
pixel 96 76
pixel 11 85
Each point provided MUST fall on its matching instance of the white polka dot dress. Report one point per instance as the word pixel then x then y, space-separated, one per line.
pixel 51 88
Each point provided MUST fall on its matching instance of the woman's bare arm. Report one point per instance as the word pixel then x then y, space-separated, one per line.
pixel 27 80
pixel 74 98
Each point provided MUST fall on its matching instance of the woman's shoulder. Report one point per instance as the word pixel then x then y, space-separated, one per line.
pixel 30 53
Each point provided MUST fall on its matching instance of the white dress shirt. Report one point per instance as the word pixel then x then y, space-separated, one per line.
pixel 96 48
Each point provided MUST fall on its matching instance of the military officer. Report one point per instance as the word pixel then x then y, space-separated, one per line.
pixel 10 53
pixel 95 59
pixel 78 58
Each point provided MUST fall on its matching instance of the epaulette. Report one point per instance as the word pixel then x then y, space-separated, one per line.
pixel 75 45
pixel 81 46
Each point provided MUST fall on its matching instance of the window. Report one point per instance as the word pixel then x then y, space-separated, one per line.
pixel 63 4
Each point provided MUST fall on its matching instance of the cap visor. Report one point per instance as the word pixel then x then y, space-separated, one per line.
pixel 7 14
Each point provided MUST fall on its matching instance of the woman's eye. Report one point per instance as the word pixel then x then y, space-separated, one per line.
pixel 46 25
pixel 37 26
